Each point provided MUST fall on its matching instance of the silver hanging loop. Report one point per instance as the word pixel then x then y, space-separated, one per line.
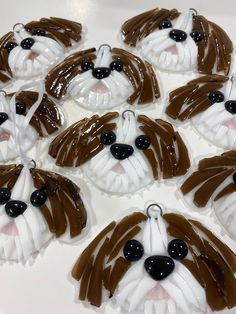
pixel 153 210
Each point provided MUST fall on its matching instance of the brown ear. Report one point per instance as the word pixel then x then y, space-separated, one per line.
pixel 140 26
pixel 9 175
pixel 191 99
pixel 66 206
pixel 141 75
pixel 47 119
pixel 64 31
pixel 215 50
pixel 211 173
pixel 213 264
pixel 60 77
pixel 5 71
pixel 80 142
pixel 101 265
pixel 168 155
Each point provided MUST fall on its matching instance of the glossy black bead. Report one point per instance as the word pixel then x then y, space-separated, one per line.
pixel 15 208
pixel 133 250
pixel 38 32
pixel 216 96
pixel 101 73
pixel 27 43
pixel 5 195
pixel 197 36
pixel 142 142
pixel 87 65
pixel 177 249
pixel 121 151
pixel 230 106
pixel 38 198
pixel 108 138
pixel 20 108
pixel 116 65
pixel 178 35
pixel 159 267
pixel 165 24
pixel 10 45
pixel 3 117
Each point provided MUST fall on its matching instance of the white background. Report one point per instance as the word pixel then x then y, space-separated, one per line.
pixel 44 286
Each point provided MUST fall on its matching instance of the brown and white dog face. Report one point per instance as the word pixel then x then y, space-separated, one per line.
pixel 35 205
pixel 215 182
pixel 122 153
pixel 157 265
pixel 175 41
pixel 15 130
pixel 210 103
pixel 31 49
pixel 103 79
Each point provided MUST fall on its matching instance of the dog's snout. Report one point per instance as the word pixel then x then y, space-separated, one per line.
pixel 101 72
pixel 230 106
pixel 178 35
pixel 27 43
pixel 15 208
pixel 121 151
pixel 3 117
pixel 159 267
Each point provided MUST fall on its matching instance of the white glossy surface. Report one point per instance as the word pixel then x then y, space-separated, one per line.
pixel 44 287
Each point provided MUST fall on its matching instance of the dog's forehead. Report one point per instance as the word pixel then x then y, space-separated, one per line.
pixel 127 127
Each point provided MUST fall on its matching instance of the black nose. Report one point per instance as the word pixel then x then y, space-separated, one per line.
pixel 178 35
pixel 230 106
pixel 3 117
pixel 27 43
pixel 15 208
pixel 121 151
pixel 101 73
pixel 159 267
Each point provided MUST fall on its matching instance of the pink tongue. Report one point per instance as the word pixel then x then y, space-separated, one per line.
pixel 10 229
pixel 157 293
pixel 4 136
pixel 100 88
pixel 118 168
pixel 172 49
pixel 231 124
pixel 33 55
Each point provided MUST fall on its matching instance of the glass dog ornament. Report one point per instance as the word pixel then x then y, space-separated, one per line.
pixel 179 41
pixel 36 205
pixel 103 79
pixel 157 264
pixel 31 49
pixel 46 120
pixel 122 153
pixel 214 182
pixel 210 103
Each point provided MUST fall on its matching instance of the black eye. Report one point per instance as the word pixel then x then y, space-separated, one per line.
pixel 177 249
pixel 142 142
pixel 116 65
pixel 3 117
pixel 20 108
pixel 5 195
pixel 165 24
pixel 133 250
pixel 197 36
pixel 87 65
pixel 216 96
pixel 10 45
pixel 38 32
pixel 38 198
pixel 108 138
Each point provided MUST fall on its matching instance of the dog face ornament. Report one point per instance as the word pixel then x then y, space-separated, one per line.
pixel 103 79
pixel 156 264
pixel 31 49
pixel 35 205
pixel 214 182
pixel 122 153
pixel 210 103
pixel 179 42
